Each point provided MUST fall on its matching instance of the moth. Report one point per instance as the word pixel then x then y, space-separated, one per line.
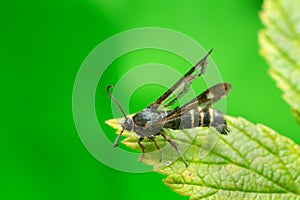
pixel 151 121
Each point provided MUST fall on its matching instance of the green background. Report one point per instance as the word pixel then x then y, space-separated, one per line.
pixel 43 44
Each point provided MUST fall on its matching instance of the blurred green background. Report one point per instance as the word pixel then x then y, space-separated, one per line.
pixel 43 44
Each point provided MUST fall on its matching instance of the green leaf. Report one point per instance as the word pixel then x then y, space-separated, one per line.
pixel 296 115
pixel 280 46
pixel 252 162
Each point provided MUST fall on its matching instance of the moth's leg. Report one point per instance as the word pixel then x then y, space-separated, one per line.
pixel 167 138
pixel 142 147
pixel 157 147
pixel 117 138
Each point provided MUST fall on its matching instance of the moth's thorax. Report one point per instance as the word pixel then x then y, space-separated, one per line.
pixel 148 122
pixel 148 115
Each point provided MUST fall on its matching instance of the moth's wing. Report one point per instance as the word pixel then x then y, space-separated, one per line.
pixel 182 85
pixel 205 99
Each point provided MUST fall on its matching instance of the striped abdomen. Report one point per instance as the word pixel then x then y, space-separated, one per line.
pixel 199 117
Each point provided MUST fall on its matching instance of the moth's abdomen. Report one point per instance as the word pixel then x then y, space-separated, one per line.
pixel 215 119
pixel 199 117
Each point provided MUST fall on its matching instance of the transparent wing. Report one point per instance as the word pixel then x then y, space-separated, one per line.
pixel 182 85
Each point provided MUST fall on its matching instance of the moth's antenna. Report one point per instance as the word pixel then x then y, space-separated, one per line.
pixel 116 102
pixel 117 138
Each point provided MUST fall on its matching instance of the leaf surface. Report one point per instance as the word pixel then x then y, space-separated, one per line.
pixel 252 162
pixel 280 46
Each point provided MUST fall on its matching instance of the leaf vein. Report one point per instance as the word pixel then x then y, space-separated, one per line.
pixel 266 148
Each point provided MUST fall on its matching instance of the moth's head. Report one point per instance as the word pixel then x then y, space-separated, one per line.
pixel 128 124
